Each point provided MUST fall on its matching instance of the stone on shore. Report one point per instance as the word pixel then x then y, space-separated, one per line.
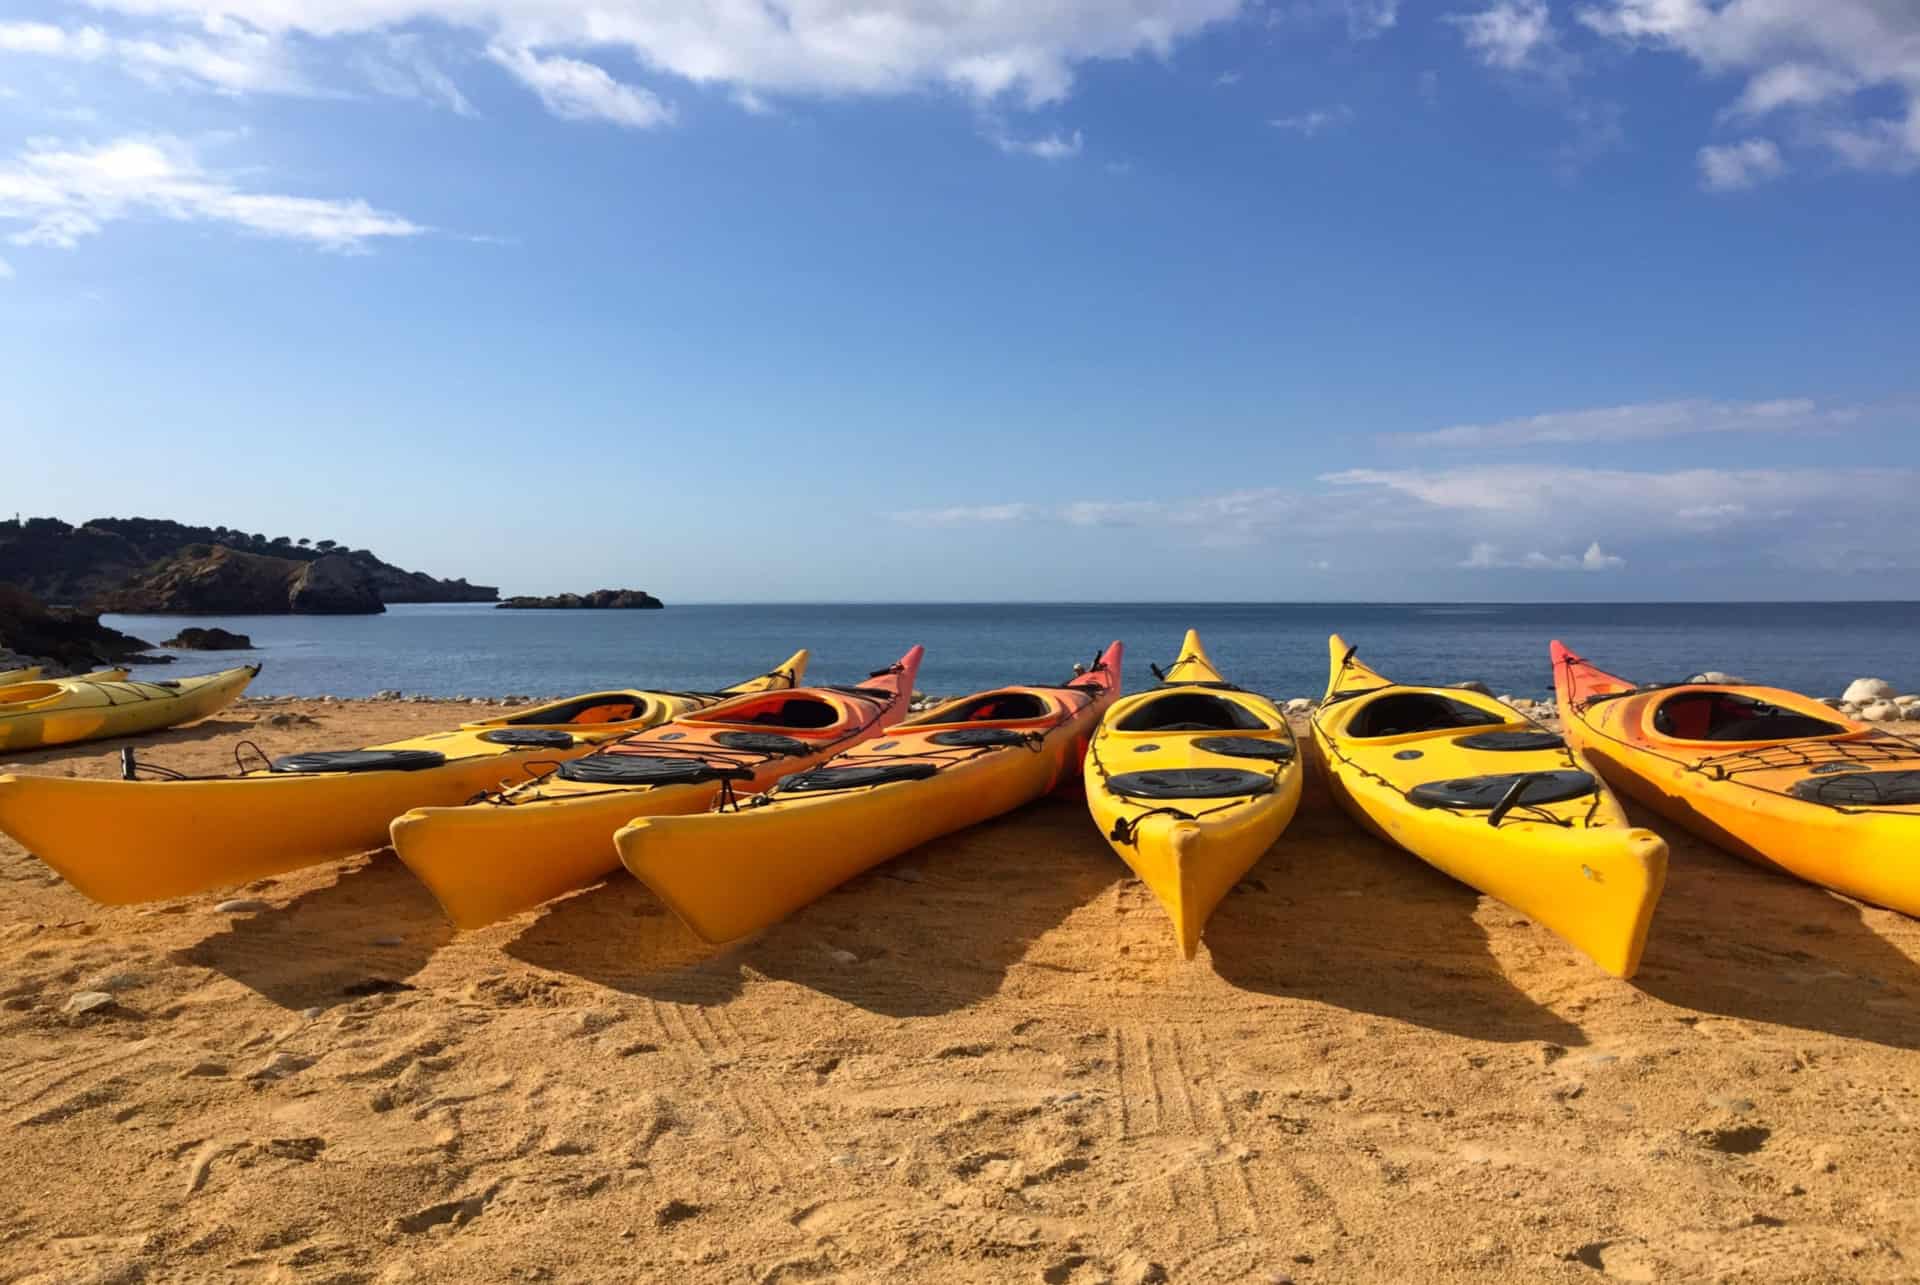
pixel 1881 712
pixel 1862 690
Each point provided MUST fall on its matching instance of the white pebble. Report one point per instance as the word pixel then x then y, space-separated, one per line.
pixel 241 906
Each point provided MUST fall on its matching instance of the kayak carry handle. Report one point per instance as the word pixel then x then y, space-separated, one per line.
pixel 1510 800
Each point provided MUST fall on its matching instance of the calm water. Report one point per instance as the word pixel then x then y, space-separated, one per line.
pixel 472 649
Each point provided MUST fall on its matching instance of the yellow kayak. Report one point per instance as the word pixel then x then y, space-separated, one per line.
pixel 1768 774
pixel 1191 783
pixel 523 847
pixel 63 710
pixel 11 676
pixel 194 834
pixel 1470 787
pixel 729 873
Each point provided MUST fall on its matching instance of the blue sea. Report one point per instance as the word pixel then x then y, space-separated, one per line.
pixel 1278 649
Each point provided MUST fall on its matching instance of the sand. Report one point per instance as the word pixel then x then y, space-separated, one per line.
pixel 984 1062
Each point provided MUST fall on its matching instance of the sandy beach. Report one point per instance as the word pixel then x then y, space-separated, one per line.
pixel 983 1062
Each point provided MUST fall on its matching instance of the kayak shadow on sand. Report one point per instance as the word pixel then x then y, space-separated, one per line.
pixel 1735 939
pixel 1334 915
pixel 930 932
pixel 369 928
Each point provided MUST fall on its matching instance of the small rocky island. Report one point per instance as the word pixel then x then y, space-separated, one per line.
pixel 599 600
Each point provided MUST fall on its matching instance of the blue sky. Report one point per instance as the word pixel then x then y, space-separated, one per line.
pixel 1140 299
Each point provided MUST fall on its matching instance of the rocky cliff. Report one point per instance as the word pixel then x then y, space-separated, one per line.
pixel 82 564
pixel 215 580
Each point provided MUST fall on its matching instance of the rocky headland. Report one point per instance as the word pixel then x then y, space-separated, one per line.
pixel 168 566
pixel 215 580
pixel 599 599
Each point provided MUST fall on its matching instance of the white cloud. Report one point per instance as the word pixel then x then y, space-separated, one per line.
pixel 969 515
pixel 1734 167
pixel 63 193
pixel 1813 57
pixel 1640 421
pixel 575 90
pixel 1511 35
pixel 1365 19
pixel 227 56
pixel 1487 556
pixel 1047 147
pixel 770 48
pixel 1310 123
pixel 1772 521
pixel 405 69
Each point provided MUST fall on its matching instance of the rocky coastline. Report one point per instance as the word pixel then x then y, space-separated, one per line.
pixel 154 565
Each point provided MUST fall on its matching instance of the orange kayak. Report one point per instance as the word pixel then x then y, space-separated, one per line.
pixel 513 851
pixel 1768 774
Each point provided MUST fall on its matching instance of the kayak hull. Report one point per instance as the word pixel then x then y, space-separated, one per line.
pixel 124 842
pixel 35 715
pixel 1191 852
pixel 728 874
pixel 1576 866
pixel 1735 794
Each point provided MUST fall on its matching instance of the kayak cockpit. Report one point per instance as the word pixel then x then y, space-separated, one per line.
pixel 800 711
pixel 28 693
pixel 600 707
pixel 1407 713
pixel 1717 715
pixel 1186 710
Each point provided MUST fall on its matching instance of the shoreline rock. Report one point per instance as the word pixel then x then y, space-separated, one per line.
pixel 194 638
pixel 598 600
pixel 60 637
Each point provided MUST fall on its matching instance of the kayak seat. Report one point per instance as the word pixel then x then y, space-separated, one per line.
pixel 602 707
pixel 1405 712
pixel 997 707
pixel 359 761
pixel 1248 747
pixel 529 738
pixel 1511 742
pixel 1189 783
pixel 1473 793
pixel 1188 711
pixel 1726 716
pixel 1861 789
pixel 821 779
pixel 786 711
pixel 644 769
